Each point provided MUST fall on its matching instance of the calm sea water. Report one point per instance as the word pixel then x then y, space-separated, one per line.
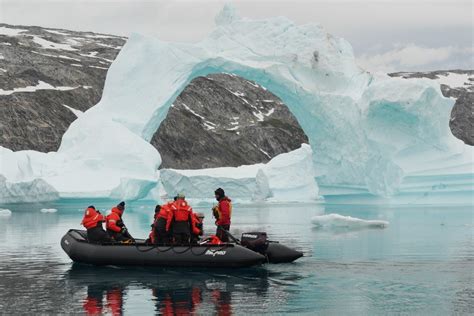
pixel 423 263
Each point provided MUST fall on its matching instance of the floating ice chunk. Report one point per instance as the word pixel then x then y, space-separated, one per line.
pixel 48 210
pixel 5 212
pixel 336 220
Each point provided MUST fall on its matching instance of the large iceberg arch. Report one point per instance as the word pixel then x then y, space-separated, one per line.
pixel 369 134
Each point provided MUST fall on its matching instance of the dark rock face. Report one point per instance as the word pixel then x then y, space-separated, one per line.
pixel 60 68
pixel 462 114
pixel 224 120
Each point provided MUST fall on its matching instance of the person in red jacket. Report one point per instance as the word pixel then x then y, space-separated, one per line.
pixel 181 217
pixel 222 213
pixel 159 234
pixel 196 227
pixel 115 225
pixel 92 221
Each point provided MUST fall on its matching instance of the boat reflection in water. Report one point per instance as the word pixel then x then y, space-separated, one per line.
pixel 170 291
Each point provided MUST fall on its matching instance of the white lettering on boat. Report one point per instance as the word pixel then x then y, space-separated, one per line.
pixel 215 252
pixel 249 235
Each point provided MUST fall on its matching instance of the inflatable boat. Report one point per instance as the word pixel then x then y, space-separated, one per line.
pixel 139 253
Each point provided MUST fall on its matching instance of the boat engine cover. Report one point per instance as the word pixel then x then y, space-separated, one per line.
pixel 256 241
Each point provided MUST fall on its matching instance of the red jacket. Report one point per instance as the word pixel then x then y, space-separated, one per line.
pixel 92 218
pixel 196 225
pixel 223 211
pixel 113 218
pixel 165 211
pixel 180 212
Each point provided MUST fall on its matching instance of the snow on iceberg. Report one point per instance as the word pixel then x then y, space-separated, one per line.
pixel 287 177
pixel 338 221
pixel 369 134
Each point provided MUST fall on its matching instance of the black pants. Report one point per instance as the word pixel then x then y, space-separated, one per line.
pixel 97 235
pixel 181 233
pixel 161 235
pixel 119 236
pixel 222 234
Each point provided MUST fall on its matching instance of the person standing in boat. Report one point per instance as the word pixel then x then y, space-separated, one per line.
pixel 181 219
pixel 115 226
pixel 222 213
pixel 92 221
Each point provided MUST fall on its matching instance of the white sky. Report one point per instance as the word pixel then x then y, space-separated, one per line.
pixel 387 35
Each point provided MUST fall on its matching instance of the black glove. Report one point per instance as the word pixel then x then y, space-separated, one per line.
pixel 123 230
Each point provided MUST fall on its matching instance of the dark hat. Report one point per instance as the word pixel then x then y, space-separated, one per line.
pixel 121 206
pixel 157 208
pixel 219 192
pixel 91 206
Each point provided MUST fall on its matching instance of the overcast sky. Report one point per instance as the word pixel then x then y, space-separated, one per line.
pixel 387 35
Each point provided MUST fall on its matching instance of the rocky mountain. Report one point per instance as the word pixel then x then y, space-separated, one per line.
pixel 48 76
pixel 45 75
pixel 224 120
pixel 457 84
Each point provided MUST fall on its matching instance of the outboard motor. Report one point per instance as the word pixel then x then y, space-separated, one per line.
pixel 256 241
pixel 272 250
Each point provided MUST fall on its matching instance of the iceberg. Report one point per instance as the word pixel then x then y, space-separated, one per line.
pixel 340 221
pixel 48 210
pixel 287 177
pixel 5 212
pixel 370 134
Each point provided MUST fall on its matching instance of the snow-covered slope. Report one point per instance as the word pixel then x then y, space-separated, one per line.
pixel 368 133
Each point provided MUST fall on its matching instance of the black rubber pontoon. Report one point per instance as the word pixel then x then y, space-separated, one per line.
pixel 75 244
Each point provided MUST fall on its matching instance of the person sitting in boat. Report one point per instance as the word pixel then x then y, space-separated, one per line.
pixel 197 227
pixel 159 234
pixel 222 213
pixel 115 226
pixel 92 221
pixel 181 217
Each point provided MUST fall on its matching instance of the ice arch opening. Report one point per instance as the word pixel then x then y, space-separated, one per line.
pixel 343 110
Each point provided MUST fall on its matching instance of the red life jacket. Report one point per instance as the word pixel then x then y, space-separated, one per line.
pixel 224 211
pixel 165 211
pixel 181 212
pixel 214 240
pixel 196 225
pixel 113 218
pixel 91 218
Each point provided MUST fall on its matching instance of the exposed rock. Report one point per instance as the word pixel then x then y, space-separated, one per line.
pixel 58 67
pixel 224 120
